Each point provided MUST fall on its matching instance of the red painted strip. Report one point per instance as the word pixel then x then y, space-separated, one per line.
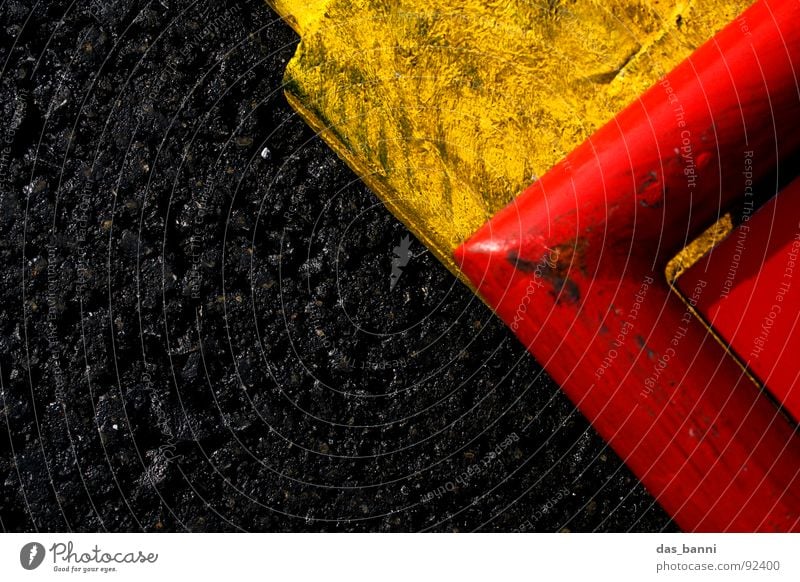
pixel 753 298
pixel 575 267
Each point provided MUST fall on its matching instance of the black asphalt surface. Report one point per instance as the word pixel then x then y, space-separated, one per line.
pixel 199 324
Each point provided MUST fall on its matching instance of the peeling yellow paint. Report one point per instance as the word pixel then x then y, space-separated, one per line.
pixel 698 248
pixel 449 108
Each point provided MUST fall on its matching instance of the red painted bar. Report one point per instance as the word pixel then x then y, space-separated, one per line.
pixel 753 299
pixel 575 267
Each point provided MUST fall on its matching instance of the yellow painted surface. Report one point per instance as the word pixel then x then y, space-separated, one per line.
pixel 300 14
pixel 448 109
pixel 697 249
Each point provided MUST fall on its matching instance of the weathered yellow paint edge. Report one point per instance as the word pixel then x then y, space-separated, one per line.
pixel 299 15
pixel 374 183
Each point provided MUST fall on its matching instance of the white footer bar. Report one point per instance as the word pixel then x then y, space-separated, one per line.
pixel 398 557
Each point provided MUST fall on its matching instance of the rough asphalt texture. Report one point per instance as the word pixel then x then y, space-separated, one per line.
pixel 198 329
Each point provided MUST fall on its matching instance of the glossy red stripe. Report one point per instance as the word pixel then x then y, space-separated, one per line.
pixel 575 267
